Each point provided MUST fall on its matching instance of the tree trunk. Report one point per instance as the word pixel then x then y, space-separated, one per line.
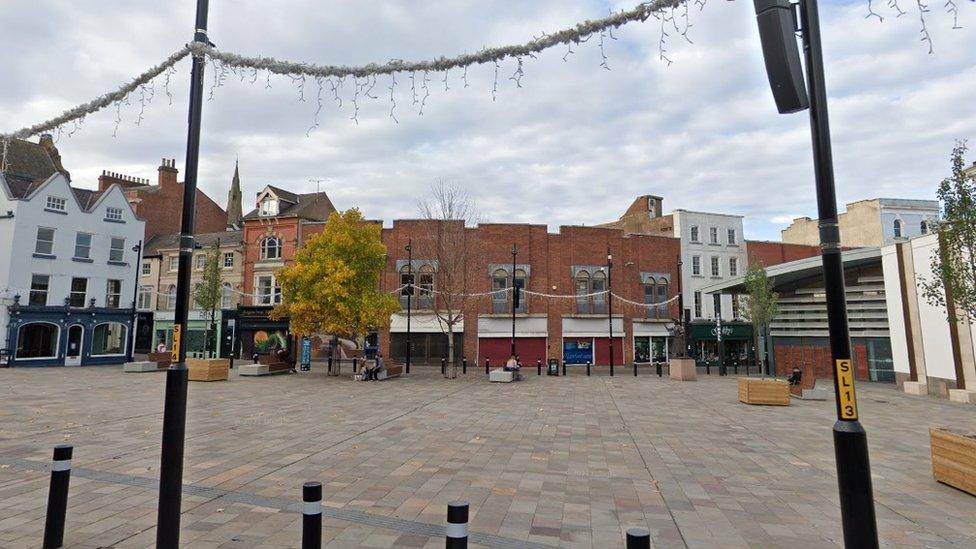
pixel 451 371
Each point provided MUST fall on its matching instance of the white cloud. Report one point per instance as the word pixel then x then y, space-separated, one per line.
pixel 573 146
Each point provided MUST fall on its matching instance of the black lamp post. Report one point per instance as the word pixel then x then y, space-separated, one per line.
pixel 610 304
pixel 135 299
pixel 409 249
pixel 777 25
pixel 515 296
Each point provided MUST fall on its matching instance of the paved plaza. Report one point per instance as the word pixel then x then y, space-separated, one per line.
pixel 550 462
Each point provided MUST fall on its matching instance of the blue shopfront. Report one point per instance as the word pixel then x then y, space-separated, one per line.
pixel 67 336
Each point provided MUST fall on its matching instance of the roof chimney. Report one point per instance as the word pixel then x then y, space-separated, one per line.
pixel 167 172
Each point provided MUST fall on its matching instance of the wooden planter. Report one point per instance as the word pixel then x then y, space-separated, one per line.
pixel 208 369
pixel 954 458
pixel 771 392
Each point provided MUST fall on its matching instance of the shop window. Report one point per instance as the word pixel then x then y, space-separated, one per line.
pixel 38 292
pixel 45 241
pixel 38 340
pixel 113 293
pixel 271 248
pixel 79 290
pixel 108 339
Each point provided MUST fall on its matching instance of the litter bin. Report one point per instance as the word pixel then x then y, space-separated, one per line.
pixel 553 367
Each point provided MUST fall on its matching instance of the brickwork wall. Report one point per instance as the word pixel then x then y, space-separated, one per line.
pixel 774 253
pixel 813 358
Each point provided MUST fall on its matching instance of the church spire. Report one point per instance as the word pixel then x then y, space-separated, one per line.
pixel 234 210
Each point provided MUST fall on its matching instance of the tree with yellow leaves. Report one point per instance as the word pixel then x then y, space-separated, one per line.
pixel 333 285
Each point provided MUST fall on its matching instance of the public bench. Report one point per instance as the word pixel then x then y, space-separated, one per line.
pixel 388 372
pixel 265 366
pixel 500 375
pixel 162 360
pixel 805 387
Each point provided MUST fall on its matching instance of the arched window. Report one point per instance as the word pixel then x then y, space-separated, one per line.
pixel 108 339
pixel 650 296
pixel 227 296
pixel 898 228
pixel 499 281
pixel 271 248
pixel 38 340
pixel 582 283
pixel 662 296
pixel 520 282
pixel 406 285
pixel 598 283
pixel 171 297
pixel 425 285
pixel 924 227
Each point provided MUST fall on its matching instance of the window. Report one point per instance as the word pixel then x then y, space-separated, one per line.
pixel 924 227
pixel 499 300
pixel 694 233
pixel 698 305
pixel 171 297
pixel 735 307
pixel 406 285
pixel 898 228
pixel 194 304
pixel 113 293
pixel 586 285
pixel 45 241
pixel 227 296
pixel 731 237
pixel 199 261
pixel 144 301
pixel 146 268
pixel 83 245
pixel 79 291
pixel 108 339
pixel 715 267
pixel 662 296
pixel 37 340
pixel 713 235
pixel 425 283
pixel 520 282
pixel 717 305
pixel 268 206
pixel 114 214
pixel 733 266
pixel 696 265
pixel 650 297
pixel 598 283
pixel 269 293
pixel 38 289
pixel 116 251
pixel 56 203
pixel 174 263
pixel 271 248
pixel 228 260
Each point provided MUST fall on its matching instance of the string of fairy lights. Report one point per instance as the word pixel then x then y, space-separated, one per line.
pixel 350 85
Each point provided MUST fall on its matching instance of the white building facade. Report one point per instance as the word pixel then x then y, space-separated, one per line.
pixel 712 250
pixel 67 272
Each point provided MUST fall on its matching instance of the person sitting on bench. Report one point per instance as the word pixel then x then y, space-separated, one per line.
pixel 796 377
pixel 513 366
pixel 372 373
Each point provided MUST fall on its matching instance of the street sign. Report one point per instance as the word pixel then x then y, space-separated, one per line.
pixel 306 363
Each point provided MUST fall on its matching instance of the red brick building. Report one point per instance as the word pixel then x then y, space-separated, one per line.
pixel 161 205
pixel 771 253
pixel 572 262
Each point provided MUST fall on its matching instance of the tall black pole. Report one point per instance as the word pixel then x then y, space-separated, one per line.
pixel 514 290
pixel 718 337
pixel 174 412
pixel 610 303
pixel 410 291
pixel 850 438
pixel 681 337
pixel 135 300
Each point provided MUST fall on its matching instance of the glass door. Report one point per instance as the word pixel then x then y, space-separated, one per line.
pixel 72 356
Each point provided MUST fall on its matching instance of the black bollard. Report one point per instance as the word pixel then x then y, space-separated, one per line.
pixel 464 364
pixel 443 366
pixel 638 538
pixel 57 497
pixel 635 368
pixel 487 365
pixel 708 369
pixel 538 366
pixel 355 364
pixel 735 367
pixel 312 515
pixel 564 368
pixel 587 369
pixel 330 364
pixel 657 368
pixel 457 525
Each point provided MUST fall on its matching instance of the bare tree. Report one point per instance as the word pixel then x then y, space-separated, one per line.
pixel 452 248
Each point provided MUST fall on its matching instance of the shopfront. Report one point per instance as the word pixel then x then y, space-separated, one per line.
pixel 259 335
pixel 587 339
pixel 737 341
pixel 63 336
pixel 652 341
pixel 427 340
pixel 495 338
pixel 201 338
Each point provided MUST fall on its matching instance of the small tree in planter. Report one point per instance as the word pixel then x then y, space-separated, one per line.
pixel 954 266
pixel 760 305
pixel 208 293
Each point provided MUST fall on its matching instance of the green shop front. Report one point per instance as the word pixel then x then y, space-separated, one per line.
pixel 198 326
pixel 736 338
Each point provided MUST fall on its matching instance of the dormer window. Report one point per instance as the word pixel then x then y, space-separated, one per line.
pixel 268 206
pixel 56 203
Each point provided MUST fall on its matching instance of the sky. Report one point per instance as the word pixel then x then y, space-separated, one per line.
pixel 572 146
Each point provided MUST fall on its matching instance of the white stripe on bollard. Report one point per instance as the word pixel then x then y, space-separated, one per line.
pixel 64 465
pixel 312 508
pixel 457 530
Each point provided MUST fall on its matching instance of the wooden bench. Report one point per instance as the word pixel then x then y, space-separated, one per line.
pixel 162 360
pixel 500 375
pixel 265 366
pixel 391 371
